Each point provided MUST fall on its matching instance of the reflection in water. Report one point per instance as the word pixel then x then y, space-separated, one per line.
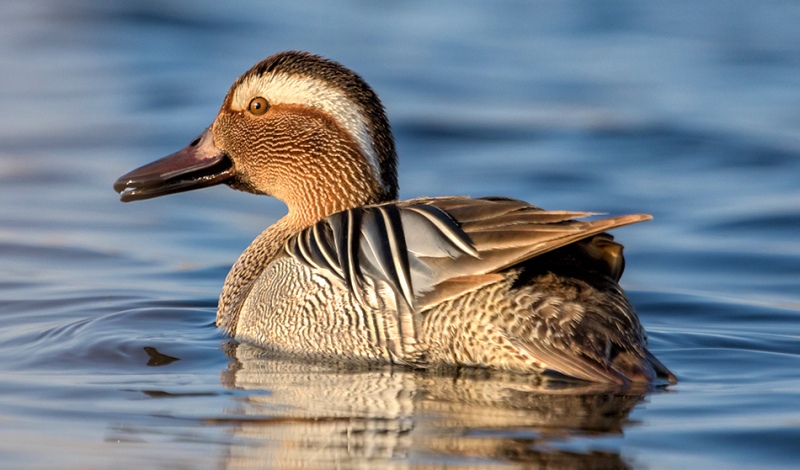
pixel 320 416
pixel 157 359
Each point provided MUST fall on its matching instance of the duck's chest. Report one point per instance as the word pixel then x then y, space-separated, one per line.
pixel 292 309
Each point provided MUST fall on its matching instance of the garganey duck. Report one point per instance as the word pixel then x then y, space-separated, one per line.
pixel 351 273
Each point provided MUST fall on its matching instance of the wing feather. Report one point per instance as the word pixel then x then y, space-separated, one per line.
pixel 419 246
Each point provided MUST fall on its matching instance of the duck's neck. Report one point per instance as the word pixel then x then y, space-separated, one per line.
pixel 332 189
pixel 313 210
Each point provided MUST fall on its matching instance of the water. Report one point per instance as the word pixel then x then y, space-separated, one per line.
pixel 689 111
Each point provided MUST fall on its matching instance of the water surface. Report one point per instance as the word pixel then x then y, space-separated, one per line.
pixel 689 111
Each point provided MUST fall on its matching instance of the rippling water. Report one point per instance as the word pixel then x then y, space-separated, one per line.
pixel 686 110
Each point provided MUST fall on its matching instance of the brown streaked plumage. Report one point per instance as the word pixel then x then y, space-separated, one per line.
pixel 352 273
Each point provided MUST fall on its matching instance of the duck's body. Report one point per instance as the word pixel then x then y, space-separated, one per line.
pixel 351 273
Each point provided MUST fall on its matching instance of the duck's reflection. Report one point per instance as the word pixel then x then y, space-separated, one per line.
pixel 317 416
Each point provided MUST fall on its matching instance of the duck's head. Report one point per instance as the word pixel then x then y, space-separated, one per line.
pixel 298 127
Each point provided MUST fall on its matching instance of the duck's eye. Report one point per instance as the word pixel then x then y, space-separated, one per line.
pixel 258 106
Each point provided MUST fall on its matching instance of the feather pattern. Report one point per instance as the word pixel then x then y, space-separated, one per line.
pixel 414 246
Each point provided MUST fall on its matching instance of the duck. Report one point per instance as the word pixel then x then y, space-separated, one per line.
pixel 351 273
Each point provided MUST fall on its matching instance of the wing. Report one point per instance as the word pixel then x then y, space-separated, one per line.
pixel 430 250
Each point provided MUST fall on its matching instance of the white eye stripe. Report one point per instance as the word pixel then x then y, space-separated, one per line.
pixel 312 93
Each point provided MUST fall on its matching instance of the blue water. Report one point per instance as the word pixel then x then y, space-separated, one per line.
pixel 688 110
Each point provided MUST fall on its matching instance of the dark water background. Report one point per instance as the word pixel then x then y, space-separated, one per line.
pixel 687 110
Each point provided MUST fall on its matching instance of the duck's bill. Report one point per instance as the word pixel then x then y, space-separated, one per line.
pixel 198 165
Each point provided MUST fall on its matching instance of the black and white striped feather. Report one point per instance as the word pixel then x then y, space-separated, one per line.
pixel 418 246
